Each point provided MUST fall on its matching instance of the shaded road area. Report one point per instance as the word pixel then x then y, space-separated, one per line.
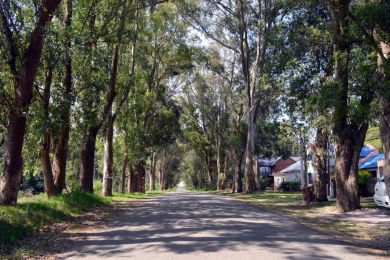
pixel 187 225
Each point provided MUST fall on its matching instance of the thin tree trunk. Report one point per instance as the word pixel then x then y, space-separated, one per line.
pixel 130 179
pixel 239 175
pixel 153 173
pixel 87 168
pixel 124 169
pixel 250 182
pixel 140 172
pixel 322 177
pixel 219 180
pixel 23 85
pixel 61 143
pixel 223 182
pixel 50 188
pixel 108 157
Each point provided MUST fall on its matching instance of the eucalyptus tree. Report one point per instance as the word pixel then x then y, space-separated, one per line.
pixel 98 28
pixel 353 93
pixel 372 21
pixel 246 28
pixel 151 113
pixel 307 72
pixel 23 35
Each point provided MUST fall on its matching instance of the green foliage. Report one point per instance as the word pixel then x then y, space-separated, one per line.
pixel 290 186
pixel 373 138
pixel 263 182
pixel 363 181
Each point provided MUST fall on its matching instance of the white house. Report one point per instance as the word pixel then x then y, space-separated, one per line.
pixel 290 174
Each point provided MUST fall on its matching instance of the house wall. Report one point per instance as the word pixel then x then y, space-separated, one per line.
pixel 292 177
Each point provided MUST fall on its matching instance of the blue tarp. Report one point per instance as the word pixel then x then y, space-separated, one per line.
pixel 365 151
pixel 372 163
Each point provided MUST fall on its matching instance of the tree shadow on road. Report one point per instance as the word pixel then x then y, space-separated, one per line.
pixel 188 223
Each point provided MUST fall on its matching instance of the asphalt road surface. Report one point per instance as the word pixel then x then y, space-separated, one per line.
pixel 187 225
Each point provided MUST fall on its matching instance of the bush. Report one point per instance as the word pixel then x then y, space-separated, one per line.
pixel 290 186
pixel 263 182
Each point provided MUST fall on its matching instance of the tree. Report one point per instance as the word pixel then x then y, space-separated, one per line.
pixel 349 131
pixel 23 65
pixel 244 27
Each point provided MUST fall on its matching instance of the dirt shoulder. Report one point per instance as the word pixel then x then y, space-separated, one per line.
pixel 368 227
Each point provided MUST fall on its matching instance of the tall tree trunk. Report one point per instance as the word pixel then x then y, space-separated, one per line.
pixel 219 177
pixel 61 142
pixel 124 169
pixel 348 136
pixel 23 84
pixel 384 102
pixel 108 157
pixel 250 182
pixel 210 175
pixel 130 180
pixel 347 150
pixel 50 187
pixel 87 167
pixel 320 160
pixel 239 175
pixel 224 178
pixel 152 186
pixel 140 172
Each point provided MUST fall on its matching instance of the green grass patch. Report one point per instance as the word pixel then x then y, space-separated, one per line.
pixel 35 212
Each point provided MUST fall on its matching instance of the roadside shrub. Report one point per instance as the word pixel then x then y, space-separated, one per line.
pixel 36 212
pixel 263 182
pixel 366 185
pixel 33 184
pixel 290 186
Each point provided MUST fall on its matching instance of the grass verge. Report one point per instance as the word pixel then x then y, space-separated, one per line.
pixel 36 212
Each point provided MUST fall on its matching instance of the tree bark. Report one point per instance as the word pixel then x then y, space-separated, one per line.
pixel 124 169
pixel 152 183
pixel 348 136
pixel 218 144
pixel 223 181
pixel 384 102
pixel 61 142
pixel 130 180
pixel 250 182
pixel 87 168
pixel 140 173
pixel 347 149
pixel 108 157
pixel 23 84
pixel 50 187
pixel 320 160
pixel 239 175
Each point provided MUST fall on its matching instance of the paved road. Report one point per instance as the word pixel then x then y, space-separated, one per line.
pixel 186 225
